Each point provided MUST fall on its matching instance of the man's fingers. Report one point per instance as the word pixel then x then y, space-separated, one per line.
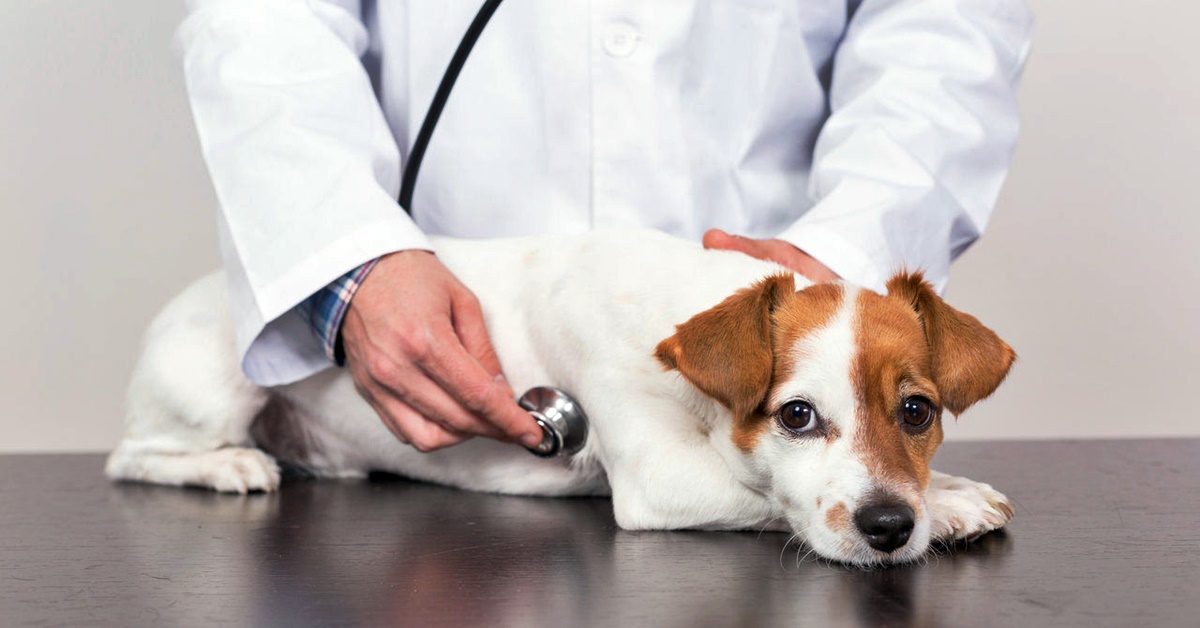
pixel 430 402
pixel 428 436
pixel 777 251
pixel 717 239
pixel 467 318
pixel 410 426
pixel 452 368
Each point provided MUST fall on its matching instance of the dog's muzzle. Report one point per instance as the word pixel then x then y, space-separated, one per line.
pixel 564 425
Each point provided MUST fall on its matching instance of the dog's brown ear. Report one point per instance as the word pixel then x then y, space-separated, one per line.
pixel 969 360
pixel 726 351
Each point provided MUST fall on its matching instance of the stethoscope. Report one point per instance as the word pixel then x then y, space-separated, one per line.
pixel 564 425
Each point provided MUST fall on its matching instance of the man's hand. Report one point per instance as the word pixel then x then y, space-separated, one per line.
pixel 778 251
pixel 419 353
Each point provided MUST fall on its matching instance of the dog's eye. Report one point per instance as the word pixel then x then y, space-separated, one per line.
pixel 917 413
pixel 798 416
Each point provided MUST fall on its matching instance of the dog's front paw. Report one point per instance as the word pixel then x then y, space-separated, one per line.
pixel 239 470
pixel 962 509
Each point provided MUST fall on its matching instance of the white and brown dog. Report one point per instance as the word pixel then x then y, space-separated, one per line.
pixel 719 396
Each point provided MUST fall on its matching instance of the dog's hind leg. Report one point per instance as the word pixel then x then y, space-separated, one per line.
pixel 229 470
pixel 189 407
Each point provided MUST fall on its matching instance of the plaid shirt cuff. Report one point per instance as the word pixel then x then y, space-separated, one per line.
pixel 325 309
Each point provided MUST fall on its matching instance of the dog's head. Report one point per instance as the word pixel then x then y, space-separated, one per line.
pixel 836 396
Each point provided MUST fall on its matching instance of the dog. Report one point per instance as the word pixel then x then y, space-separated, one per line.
pixel 723 393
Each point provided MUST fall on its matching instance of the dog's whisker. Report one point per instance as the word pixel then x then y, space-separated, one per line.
pixel 767 525
pixel 783 550
pixel 811 550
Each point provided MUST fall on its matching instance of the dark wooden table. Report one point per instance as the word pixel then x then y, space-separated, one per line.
pixel 1106 534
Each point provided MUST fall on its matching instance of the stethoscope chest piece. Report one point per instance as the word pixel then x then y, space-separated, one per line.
pixel 564 425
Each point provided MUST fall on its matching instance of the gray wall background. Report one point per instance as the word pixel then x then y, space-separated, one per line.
pixel 1089 268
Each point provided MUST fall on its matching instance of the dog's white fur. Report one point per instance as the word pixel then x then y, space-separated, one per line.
pixel 584 314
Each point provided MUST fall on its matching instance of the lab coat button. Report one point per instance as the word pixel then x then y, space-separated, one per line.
pixel 620 40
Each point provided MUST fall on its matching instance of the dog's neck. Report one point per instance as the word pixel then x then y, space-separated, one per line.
pixel 714 423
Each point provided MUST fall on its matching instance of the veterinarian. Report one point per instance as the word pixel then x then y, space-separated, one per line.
pixel 841 138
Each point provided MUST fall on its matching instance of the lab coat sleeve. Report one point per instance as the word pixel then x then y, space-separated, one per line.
pixel 304 165
pixel 922 126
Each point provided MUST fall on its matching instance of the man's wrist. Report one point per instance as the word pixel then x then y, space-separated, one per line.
pixel 325 310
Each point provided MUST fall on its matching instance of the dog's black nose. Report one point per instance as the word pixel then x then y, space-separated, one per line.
pixel 886 526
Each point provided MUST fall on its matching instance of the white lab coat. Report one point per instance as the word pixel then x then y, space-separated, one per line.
pixel 872 134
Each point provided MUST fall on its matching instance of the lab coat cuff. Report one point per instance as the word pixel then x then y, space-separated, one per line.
pixel 280 346
pixel 850 262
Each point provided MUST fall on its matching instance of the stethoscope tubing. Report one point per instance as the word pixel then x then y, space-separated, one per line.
pixel 413 167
